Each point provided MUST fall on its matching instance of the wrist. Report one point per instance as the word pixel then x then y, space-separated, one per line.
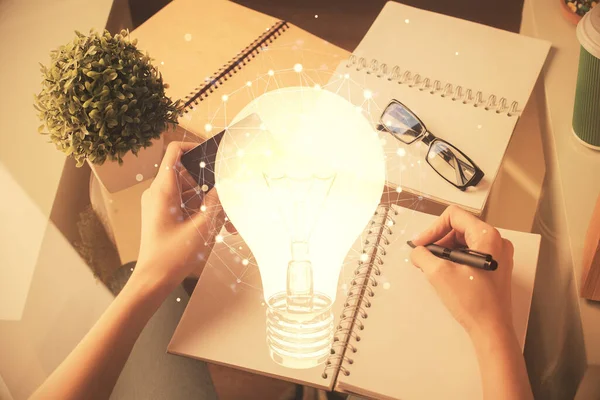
pixel 147 287
pixel 491 331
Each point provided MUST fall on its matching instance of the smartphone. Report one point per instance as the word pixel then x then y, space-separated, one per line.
pixel 200 161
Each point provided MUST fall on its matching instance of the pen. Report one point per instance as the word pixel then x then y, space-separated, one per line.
pixel 468 257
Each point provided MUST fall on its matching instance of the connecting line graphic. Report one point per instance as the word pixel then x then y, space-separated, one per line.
pixel 343 85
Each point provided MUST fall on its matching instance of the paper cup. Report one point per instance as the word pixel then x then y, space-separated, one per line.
pixel 586 114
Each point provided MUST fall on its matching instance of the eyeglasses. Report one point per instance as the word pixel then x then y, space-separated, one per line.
pixel 449 162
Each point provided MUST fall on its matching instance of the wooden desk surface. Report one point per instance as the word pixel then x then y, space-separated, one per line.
pixel 571 326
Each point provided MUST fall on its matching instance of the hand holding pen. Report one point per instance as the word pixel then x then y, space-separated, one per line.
pixel 480 300
pixel 475 296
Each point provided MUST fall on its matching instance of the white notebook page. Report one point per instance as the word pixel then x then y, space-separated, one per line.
pixel 411 347
pixel 453 51
pixel 224 322
pixel 456 51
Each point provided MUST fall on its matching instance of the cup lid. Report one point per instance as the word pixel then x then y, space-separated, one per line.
pixel 588 31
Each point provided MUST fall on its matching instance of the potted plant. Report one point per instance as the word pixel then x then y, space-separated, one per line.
pixel 102 101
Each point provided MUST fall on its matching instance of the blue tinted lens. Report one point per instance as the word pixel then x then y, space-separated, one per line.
pixel 402 123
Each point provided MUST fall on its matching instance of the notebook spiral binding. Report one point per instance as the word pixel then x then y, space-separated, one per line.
pixel 358 300
pixel 234 65
pixel 434 87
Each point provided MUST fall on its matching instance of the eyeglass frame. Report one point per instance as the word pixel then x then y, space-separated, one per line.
pixel 428 139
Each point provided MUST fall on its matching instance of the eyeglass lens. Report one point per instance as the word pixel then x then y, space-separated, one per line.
pixel 450 162
pixel 402 123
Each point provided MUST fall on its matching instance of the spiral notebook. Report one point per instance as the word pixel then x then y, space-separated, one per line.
pixel 217 56
pixel 395 338
pixel 468 83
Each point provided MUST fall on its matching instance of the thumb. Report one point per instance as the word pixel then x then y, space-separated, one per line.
pixel 211 217
pixel 425 261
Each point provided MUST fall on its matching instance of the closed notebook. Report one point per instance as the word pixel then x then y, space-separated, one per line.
pixel 467 83
pixel 217 56
pixel 408 342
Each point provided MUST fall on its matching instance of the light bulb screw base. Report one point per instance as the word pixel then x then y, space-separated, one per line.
pixel 299 339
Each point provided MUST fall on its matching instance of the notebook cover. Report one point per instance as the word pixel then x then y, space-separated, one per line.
pixel 411 347
pixel 190 39
pixel 271 68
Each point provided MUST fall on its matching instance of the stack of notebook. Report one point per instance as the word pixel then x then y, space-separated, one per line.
pixel 467 82
pixel 481 79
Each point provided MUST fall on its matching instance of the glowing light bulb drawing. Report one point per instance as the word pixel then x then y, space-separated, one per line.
pixel 300 173
pixel 299 200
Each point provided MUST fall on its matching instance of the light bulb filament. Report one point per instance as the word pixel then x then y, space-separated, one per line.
pixel 299 201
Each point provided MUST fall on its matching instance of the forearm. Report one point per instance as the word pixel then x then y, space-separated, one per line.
pixel 93 367
pixel 501 363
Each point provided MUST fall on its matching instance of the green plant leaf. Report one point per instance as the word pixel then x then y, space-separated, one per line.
pixel 101 97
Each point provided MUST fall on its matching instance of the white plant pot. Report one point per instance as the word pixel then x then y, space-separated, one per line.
pixel 135 169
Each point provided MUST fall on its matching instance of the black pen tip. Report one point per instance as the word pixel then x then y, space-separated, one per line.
pixel 411 244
